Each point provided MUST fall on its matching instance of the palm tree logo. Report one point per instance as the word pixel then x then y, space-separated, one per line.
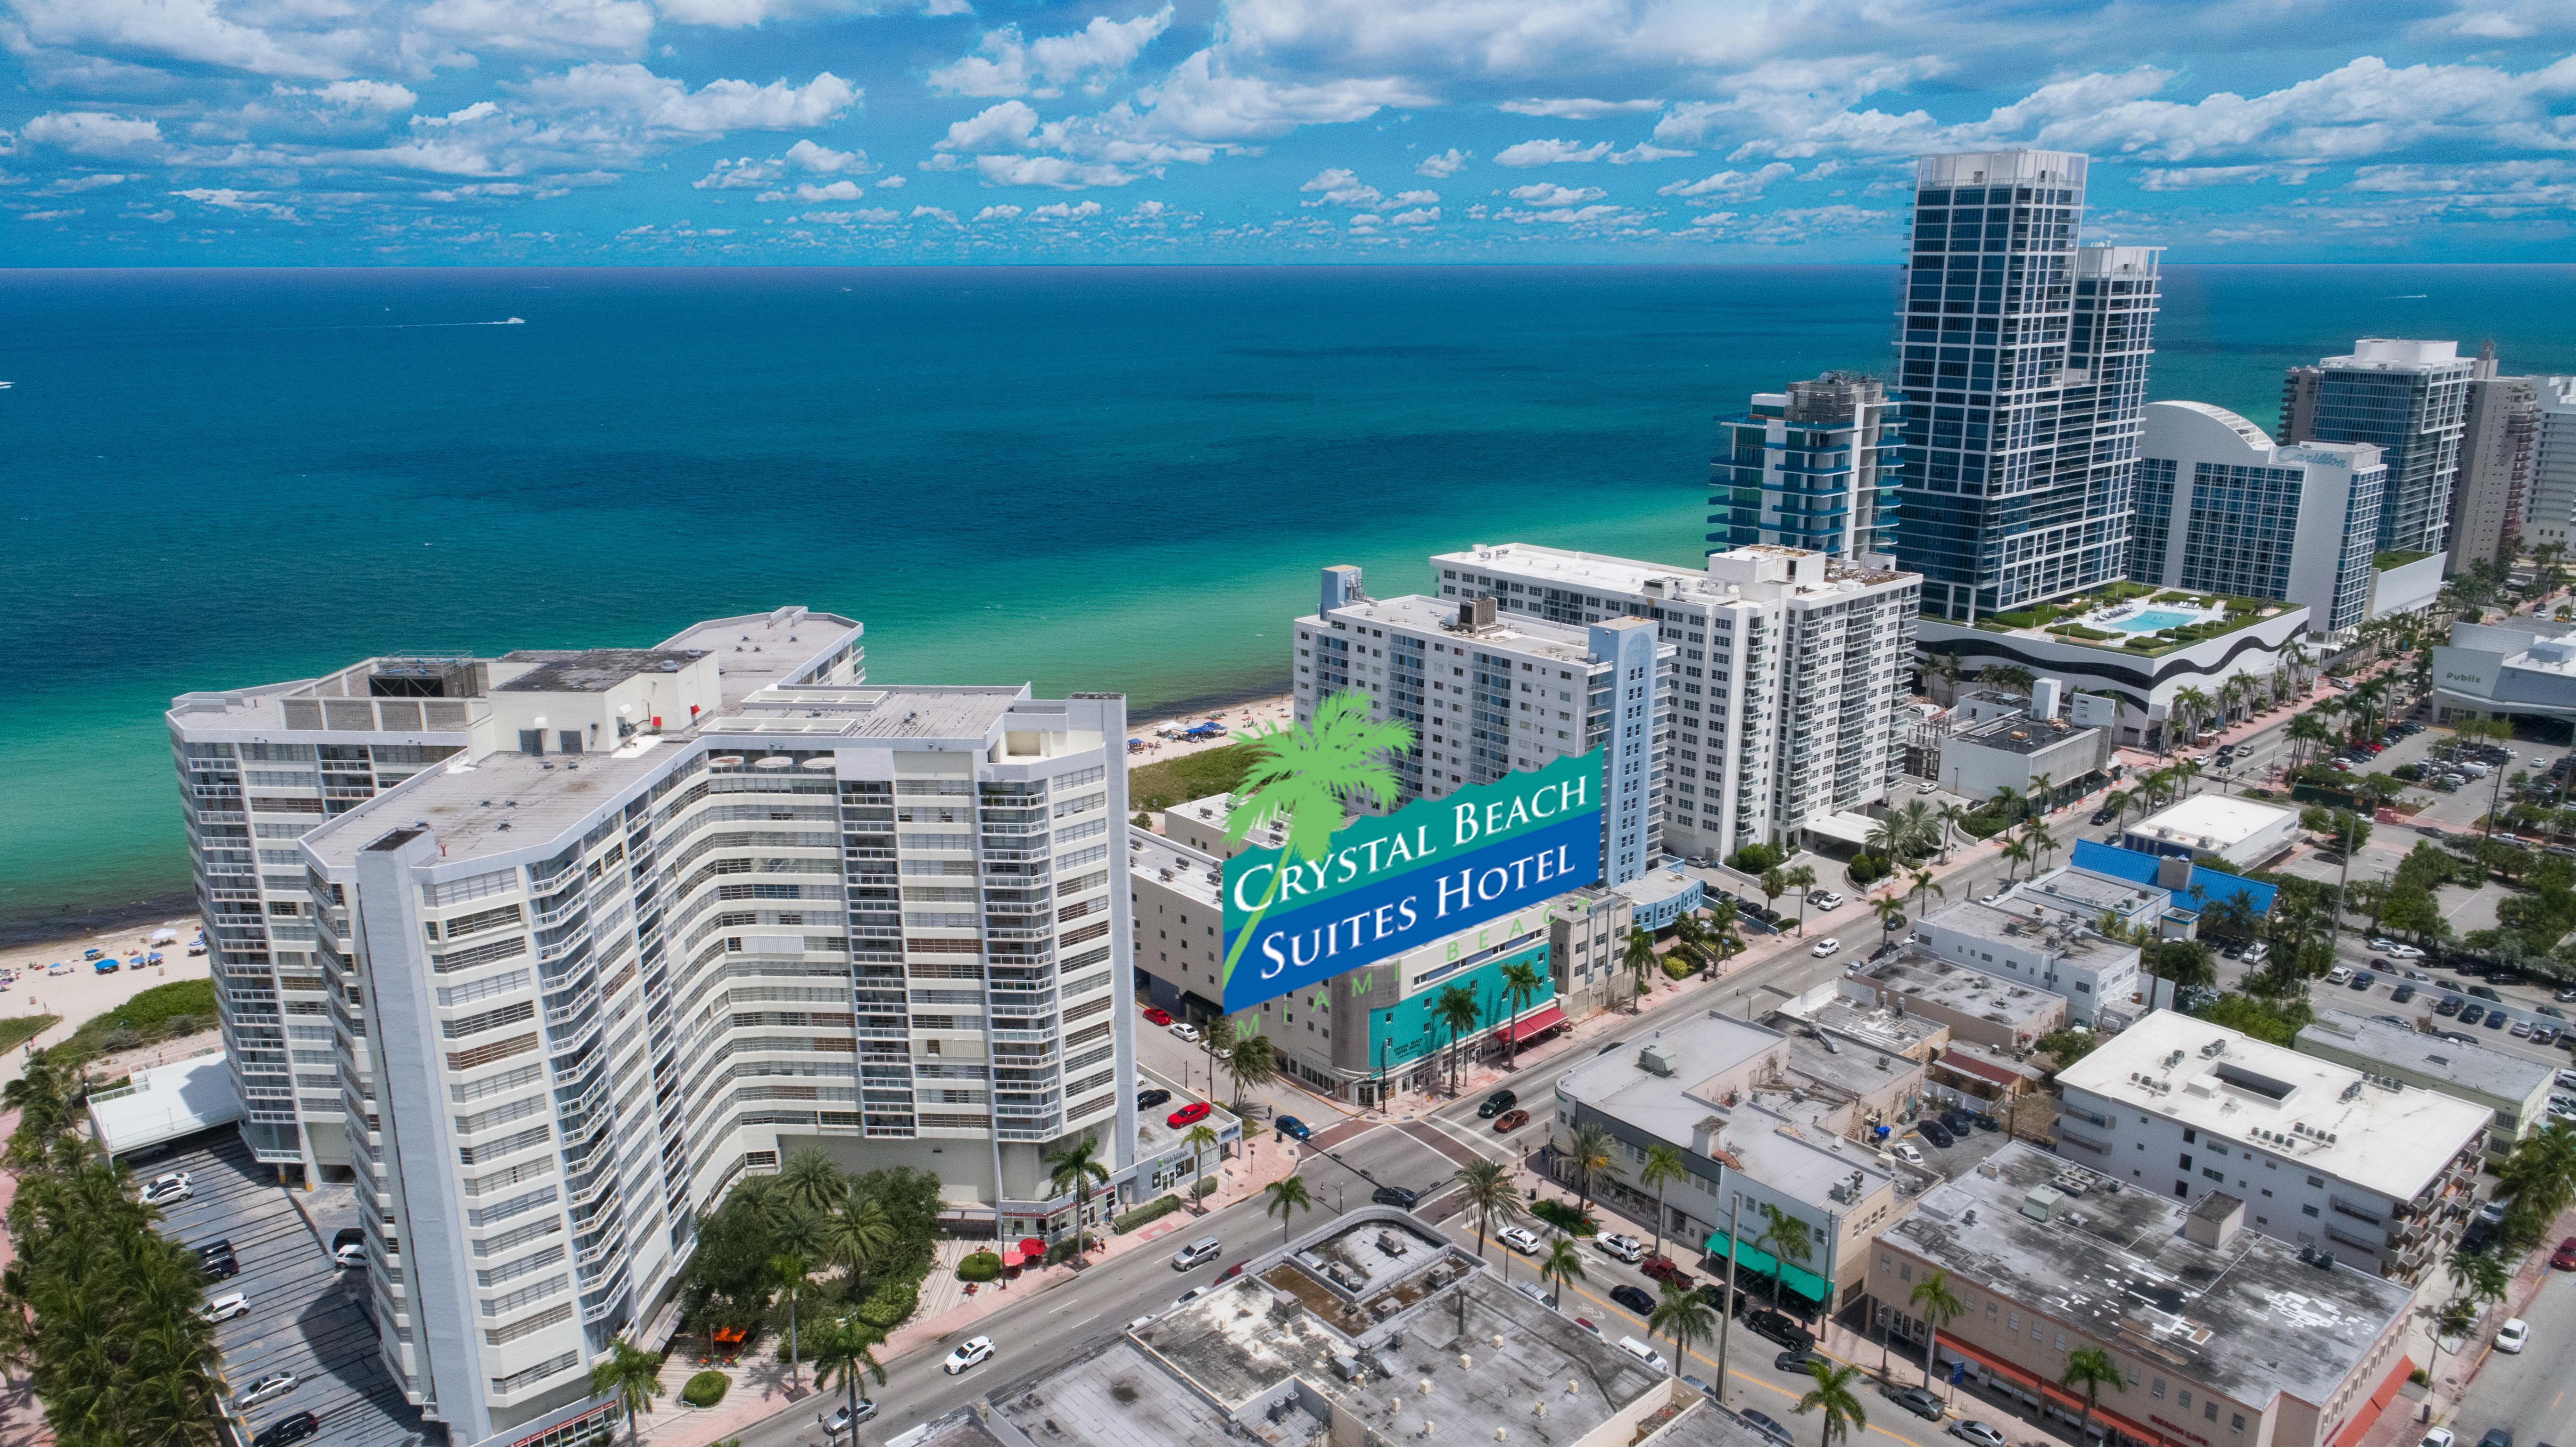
pixel 1308 778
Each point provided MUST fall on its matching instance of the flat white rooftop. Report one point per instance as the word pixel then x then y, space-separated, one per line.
pixel 2221 819
pixel 2390 1139
pixel 1564 642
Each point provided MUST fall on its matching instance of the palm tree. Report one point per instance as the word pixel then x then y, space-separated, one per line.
pixel 1833 1395
pixel 2193 706
pixel 1521 985
pixel 1785 1237
pixel 1253 1061
pixel 1937 1305
pixel 1923 885
pixel 2089 1370
pixel 1455 1008
pixel 1690 938
pixel 2008 804
pixel 808 1182
pixel 1891 913
pixel 1489 1193
pixel 1641 961
pixel 1216 1038
pixel 2016 853
pixel 1952 817
pixel 2036 835
pixel 1722 920
pixel 1592 1153
pixel 1775 883
pixel 1309 777
pixel 1920 827
pixel 856 1233
pixel 1199 1139
pixel 1287 1198
pixel 633 1377
pixel 1076 1168
pixel 1802 879
pixel 1562 1265
pixel 2539 1177
pixel 2042 794
pixel 2305 732
pixel 846 1350
pixel 1686 1317
pixel 787 1272
pixel 1663 1166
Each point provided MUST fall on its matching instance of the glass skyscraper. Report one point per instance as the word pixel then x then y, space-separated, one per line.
pixel 2023 361
pixel 1808 468
pixel 2409 398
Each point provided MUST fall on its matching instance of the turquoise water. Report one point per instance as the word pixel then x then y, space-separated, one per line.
pixel 1119 479
pixel 2151 620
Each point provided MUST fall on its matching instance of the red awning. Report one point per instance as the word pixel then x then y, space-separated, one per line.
pixel 1012 1257
pixel 1032 1246
pixel 1535 1022
pixel 1982 1069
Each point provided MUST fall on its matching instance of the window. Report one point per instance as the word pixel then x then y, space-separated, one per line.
pixel 2316 1180
pixel 2158 1390
pixel 2209 1411
pixel 2307 1210
pixel 2183 1398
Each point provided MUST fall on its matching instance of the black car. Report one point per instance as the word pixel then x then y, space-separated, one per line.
pixel 1959 1120
pixel 1633 1298
pixel 1780 1327
pixel 288 1429
pixel 1496 1103
pixel 213 1249
pixel 2496 1437
pixel 2235 950
pixel 1793 1361
pixel 221 1268
pixel 1938 1134
pixel 1988 1123
pixel 2450 1005
pixel 1921 1403
pixel 2104 816
pixel 2482 992
pixel 1148 1099
pixel 2363 979
pixel 1396 1196
pixel 2401 994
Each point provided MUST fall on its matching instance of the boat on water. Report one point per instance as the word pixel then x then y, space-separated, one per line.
pixel 5 386
pixel 516 322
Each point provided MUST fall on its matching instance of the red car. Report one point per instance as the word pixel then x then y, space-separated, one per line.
pixel 1510 1120
pixel 1157 1015
pixel 2564 1258
pixel 1663 1268
pixel 1190 1114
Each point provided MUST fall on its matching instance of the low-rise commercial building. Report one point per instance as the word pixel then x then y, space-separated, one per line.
pixel 2516 1089
pixel 1698 1085
pixel 2018 752
pixel 2046 932
pixel 2240 831
pixel 2522 664
pixel 2365 1167
pixel 2222 1337
pixel 1977 1005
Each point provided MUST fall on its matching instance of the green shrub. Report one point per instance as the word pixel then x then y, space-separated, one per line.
pixel 1203 1187
pixel 145 1018
pixel 1153 1210
pixel 1865 870
pixel 1191 776
pixel 1753 859
pixel 706 1389
pixel 1981 826
pixel 890 1306
pixel 1565 1218
pixel 982 1266
pixel 1676 968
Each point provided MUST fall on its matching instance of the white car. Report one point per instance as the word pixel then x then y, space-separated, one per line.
pixel 1186 1297
pixel 1519 1238
pixel 1825 899
pixel 2513 1336
pixel 1905 1151
pixel 2394 950
pixel 267 1388
pixel 169 1190
pixel 1624 1248
pixel 225 1307
pixel 1980 1433
pixel 1644 1353
pixel 1827 946
pixel 1186 1031
pixel 1925 786
pixel 1142 1322
pixel 353 1254
pixel 2439 1437
pixel 1533 1291
pixel 843 1420
pixel 1996 897
pixel 970 1352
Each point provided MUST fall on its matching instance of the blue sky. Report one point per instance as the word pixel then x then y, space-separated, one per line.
pixel 289 132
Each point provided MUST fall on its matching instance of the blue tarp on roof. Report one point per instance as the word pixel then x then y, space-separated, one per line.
pixel 2139 868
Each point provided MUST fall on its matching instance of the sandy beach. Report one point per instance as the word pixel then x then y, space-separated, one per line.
pixel 83 993
pixel 1239 719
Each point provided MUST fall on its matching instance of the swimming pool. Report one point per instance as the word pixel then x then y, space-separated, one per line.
pixel 2151 620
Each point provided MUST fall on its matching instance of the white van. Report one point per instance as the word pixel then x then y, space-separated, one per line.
pixel 1644 1353
pixel 2339 975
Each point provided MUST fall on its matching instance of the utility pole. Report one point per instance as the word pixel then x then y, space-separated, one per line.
pixel 2334 927
pixel 1726 1313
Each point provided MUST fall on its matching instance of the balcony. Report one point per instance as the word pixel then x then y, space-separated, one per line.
pixel 2343 1207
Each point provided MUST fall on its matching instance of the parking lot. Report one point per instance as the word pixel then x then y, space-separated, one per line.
pixel 307 1316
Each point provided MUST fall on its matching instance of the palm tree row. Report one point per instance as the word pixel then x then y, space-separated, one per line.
pixel 99 1309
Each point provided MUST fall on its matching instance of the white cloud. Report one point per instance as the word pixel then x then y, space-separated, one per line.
pixel 68 185
pixel 804 156
pixel 1050 171
pixel 95 133
pixel 810 192
pixel 934 213
pixel 247 203
pixel 1566 215
pixel 659 104
pixel 1443 166
pixel 196 32
pixel 1645 151
pixel 890 183
pixel 1422 216
pixel 998 213
pixel 1550 153
pixel 1413 198
pixel 1793 226
pixel 1066 211
pixel 1730 185
pixel 1010 126
pixel 869 216
pixel 2187 178
pixel 617 28
pixel 1148 210
pixel 736 14
pixel 1579 110
pixel 1007 65
pixel 1548 194
pixel 1341 187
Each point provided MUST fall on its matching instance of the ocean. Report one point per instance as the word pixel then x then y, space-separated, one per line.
pixel 1087 479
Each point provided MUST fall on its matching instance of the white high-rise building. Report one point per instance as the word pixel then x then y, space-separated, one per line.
pixel 1785 669
pixel 675 914
pixel 2552 518
pixel 2223 508
pixel 1490 694
pixel 2410 399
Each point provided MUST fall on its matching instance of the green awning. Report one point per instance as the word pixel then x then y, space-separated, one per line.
pixel 1793 1276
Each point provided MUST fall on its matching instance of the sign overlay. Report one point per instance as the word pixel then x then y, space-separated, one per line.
pixel 1388 883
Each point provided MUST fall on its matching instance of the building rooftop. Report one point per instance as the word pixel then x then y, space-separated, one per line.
pixel 1880 1028
pixel 589 670
pixel 1564 642
pixel 2470 1067
pixel 2247 1316
pixel 2214 821
pixel 2296 1107
pixel 1919 975
pixel 1175 865
pixel 2022 735
pixel 1639 578
pixel 1801 1161
pixel 1707 1424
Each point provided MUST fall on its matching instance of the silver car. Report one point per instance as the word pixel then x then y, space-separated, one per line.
pixel 267 1389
